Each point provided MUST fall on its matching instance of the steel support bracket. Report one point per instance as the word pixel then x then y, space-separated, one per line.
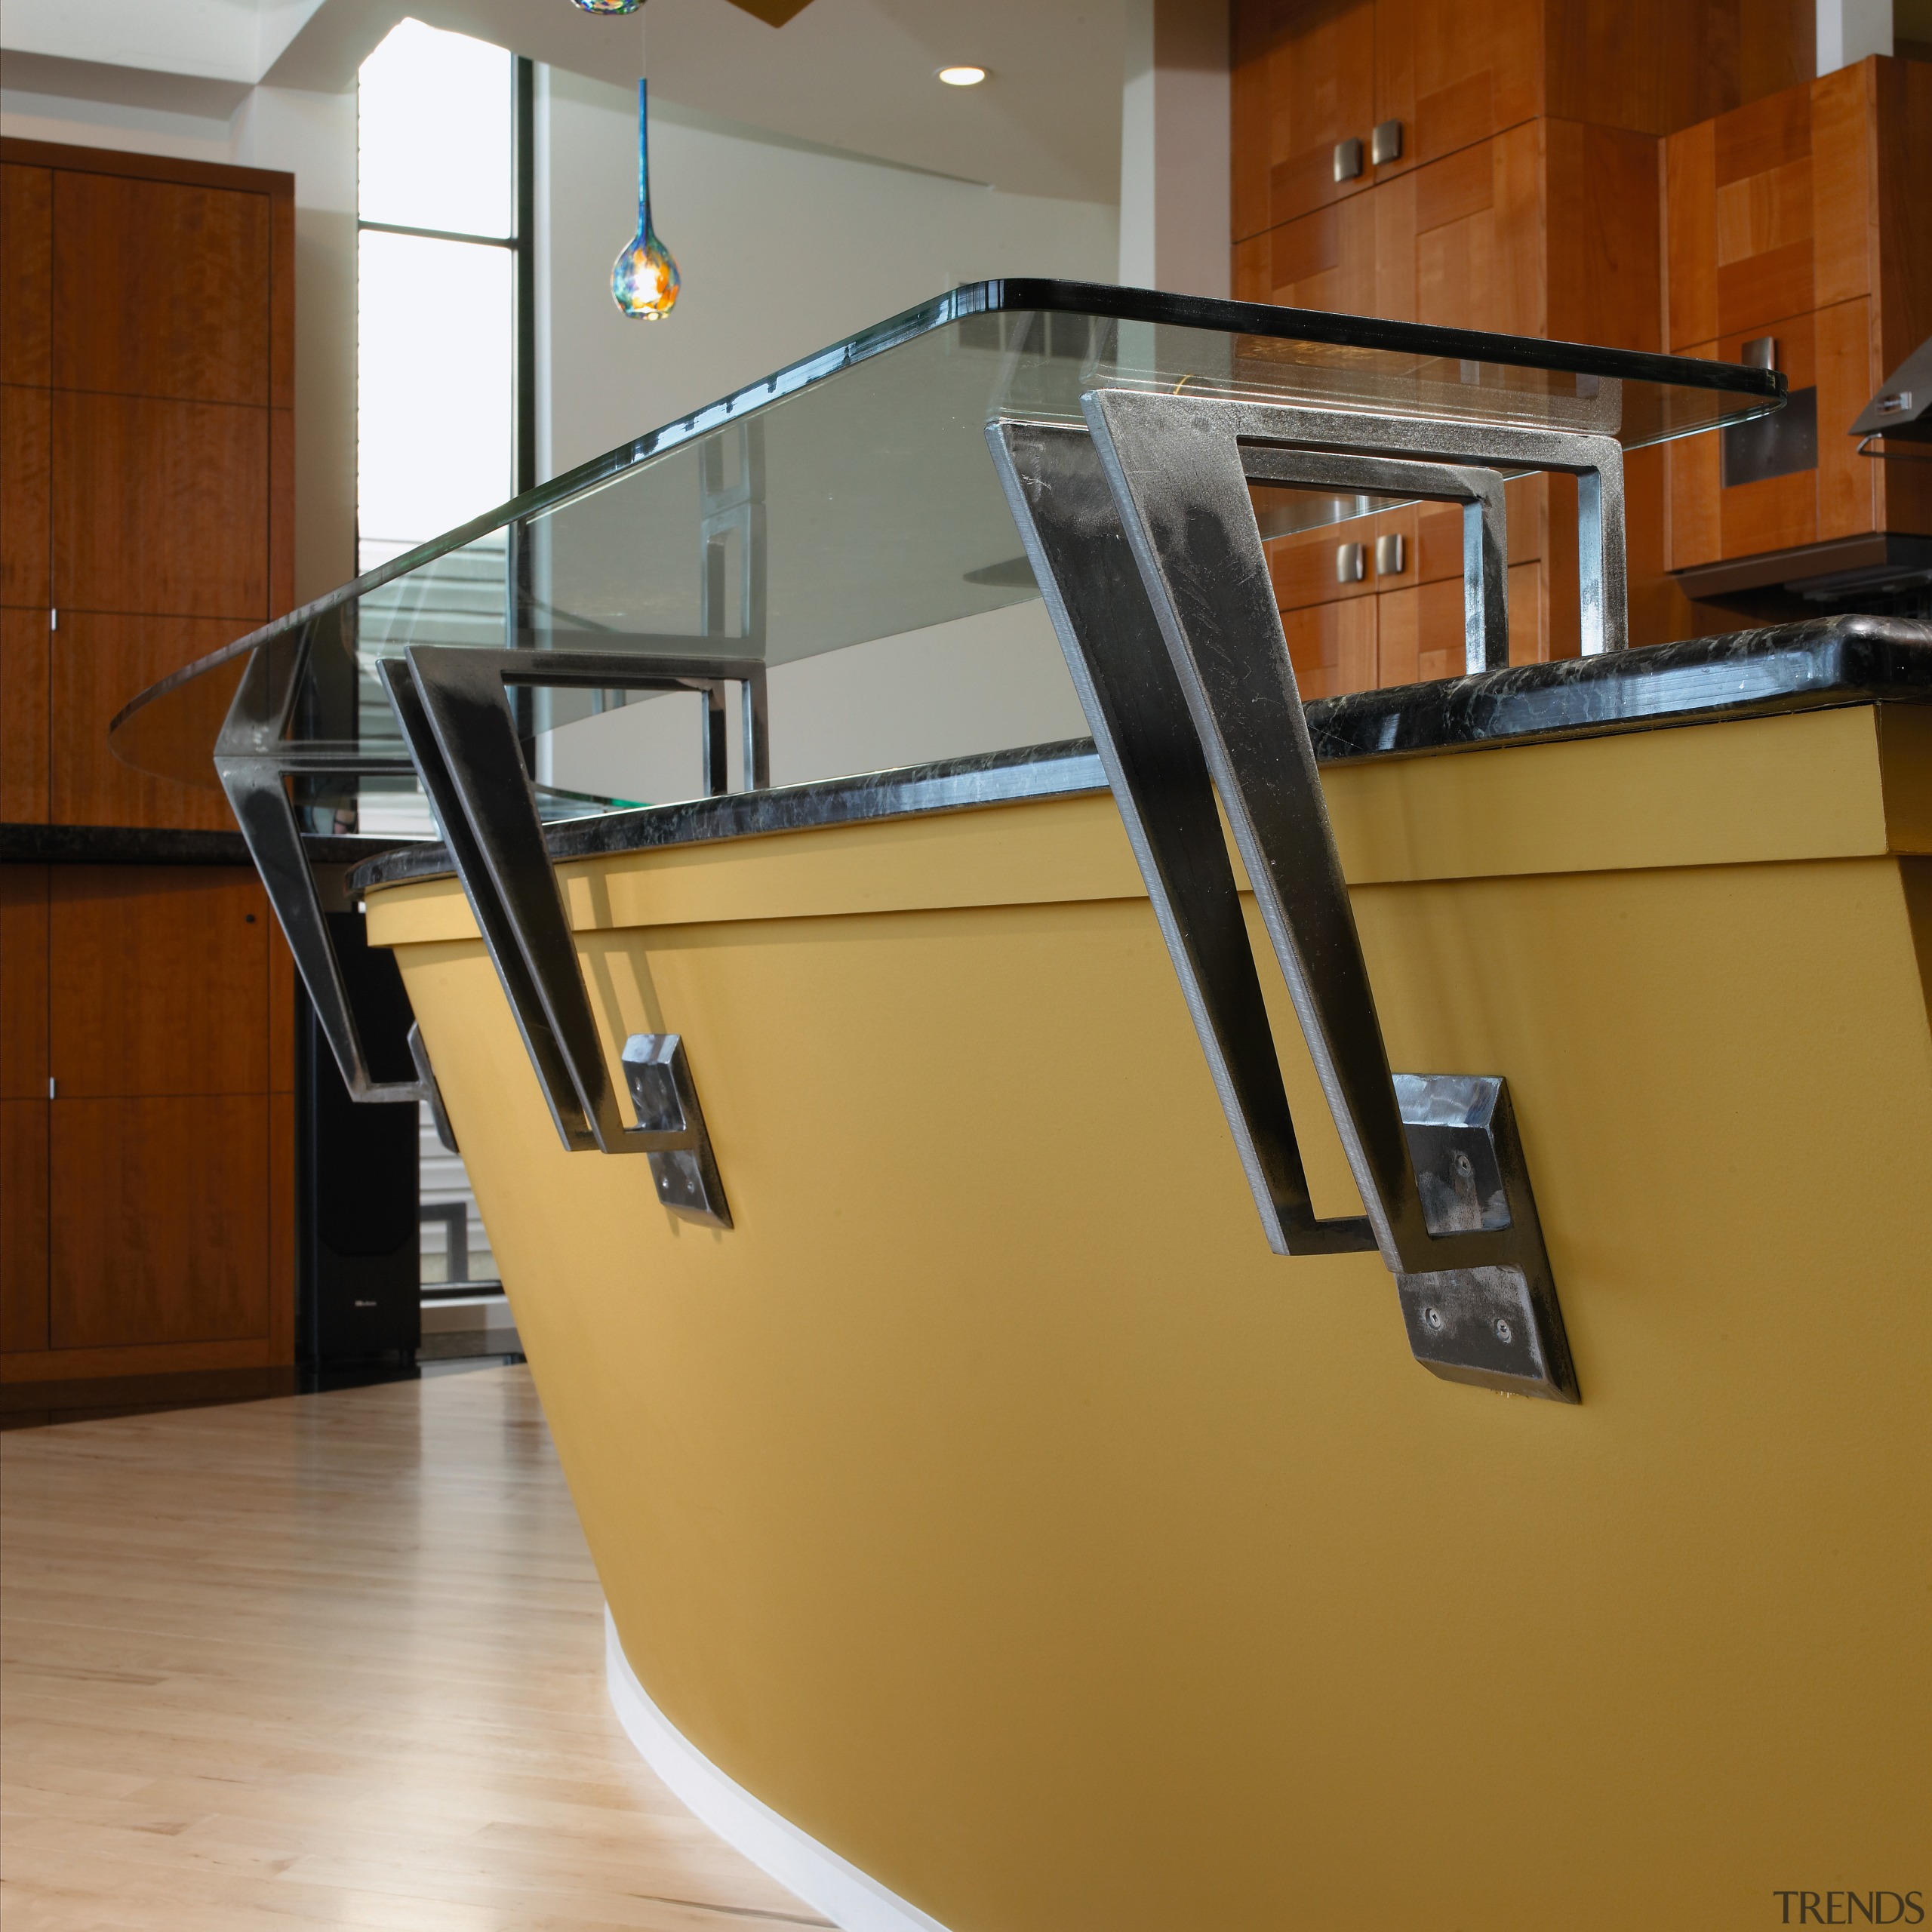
pixel 1143 536
pixel 453 706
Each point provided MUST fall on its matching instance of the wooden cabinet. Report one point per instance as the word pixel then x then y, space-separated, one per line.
pixel 1801 220
pixel 146 1065
pixel 1451 73
pixel 1525 200
pixel 145 449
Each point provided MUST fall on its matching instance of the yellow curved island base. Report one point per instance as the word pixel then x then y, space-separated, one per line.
pixel 993 1506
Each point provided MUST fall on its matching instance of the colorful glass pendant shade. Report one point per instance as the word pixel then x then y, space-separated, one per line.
pixel 644 279
pixel 610 6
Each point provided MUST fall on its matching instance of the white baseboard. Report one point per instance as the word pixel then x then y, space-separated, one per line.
pixel 800 1864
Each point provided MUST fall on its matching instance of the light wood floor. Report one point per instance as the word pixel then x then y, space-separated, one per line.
pixel 332 1660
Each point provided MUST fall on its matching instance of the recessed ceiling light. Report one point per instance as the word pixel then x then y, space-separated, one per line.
pixel 962 77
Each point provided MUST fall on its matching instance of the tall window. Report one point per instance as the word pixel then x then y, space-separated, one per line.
pixel 441 263
pixel 443 398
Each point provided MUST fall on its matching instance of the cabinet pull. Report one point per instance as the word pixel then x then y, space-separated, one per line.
pixel 1351 566
pixel 1385 143
pixel 1348 160
pixel 1388 557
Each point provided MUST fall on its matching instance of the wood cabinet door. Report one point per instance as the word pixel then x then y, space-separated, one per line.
pixel 24 643
pixel 1476 246
pixel 26 258
pixel 159 1227
pixel 24 1204
pixel 1454 72
pixel 159 980
pixel 161 507
pixel 99 663
pixel 25 454
pixel 1304 79
pixel 200 258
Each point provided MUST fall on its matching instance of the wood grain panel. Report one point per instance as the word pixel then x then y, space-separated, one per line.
pixel 26 255
pixel 160 1220
pixel 1762 291
pixel 1319 79
pixel 1777 48
pixel 1764 212
pixel 1649 66
pixel 281 1227
pixel 23 921
pixel 1777 512
pixel 23 1280
pixel 200 330
pixel 1849 486
pixel 1253 274
pixel 1691 235
pixel 161 507
pixel 1302 567
pixel 1533 637
pixel 1693 532
pixel 1903 96
pixel 25 454
pixel 282 1011
pixel 159 980
pixel 23 716
pixel 1763 136
pixel 1604 251
pixel 1659 612
pixel 1249 26
pixel 282 511
pixel 1456 71
pixel 1484 269
pixel 281 293
pixel 1326 259
pixel 1332 647
pixel 1419 633
pixel 98 663
pixel 1394 204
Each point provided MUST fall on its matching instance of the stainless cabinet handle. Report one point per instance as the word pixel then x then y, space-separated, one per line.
pixel 1389 556
pixel 1348 160
pixel 1350 566
pixel 1385 143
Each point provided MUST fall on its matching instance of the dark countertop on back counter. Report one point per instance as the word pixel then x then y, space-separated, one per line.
pixel 23 843
pixel 1821 663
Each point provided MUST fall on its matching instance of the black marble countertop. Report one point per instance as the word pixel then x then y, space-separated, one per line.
pixel 25 843
pixel 1813 665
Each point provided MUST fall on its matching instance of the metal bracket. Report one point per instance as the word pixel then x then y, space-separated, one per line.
pixel 1143 538
pixel 1595 458
pixel 252 759
pixel 659 1074
pixel 426 1076
pixel 453 706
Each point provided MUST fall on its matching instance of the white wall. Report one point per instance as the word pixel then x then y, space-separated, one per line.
pixel 312 137
pixel 784 248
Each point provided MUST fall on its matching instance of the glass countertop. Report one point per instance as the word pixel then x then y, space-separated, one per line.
pixel 840 524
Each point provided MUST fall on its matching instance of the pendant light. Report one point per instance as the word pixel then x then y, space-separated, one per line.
pixel 643 278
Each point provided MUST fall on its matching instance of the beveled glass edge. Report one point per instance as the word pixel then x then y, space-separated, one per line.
pixel 1015 295
pixel 1817 664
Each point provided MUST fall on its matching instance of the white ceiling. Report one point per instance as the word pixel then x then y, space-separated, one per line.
pixel 856 75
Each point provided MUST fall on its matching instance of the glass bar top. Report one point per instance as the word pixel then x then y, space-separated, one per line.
pixel 849 500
